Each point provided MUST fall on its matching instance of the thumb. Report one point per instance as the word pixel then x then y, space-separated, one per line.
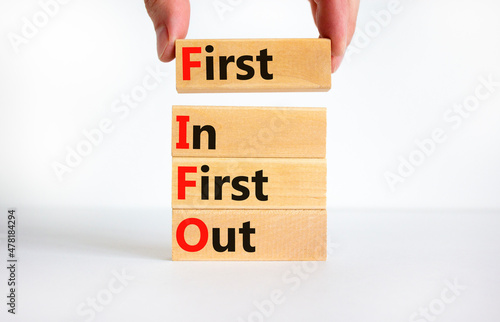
pixel 336 19
pixel 171 22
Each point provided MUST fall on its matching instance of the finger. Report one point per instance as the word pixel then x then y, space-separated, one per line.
pixel 331 18
pixel 314 8
pixel 171 22
pixel 353 16
pixel 351 28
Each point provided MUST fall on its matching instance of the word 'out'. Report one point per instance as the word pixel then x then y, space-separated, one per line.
pixel 246 231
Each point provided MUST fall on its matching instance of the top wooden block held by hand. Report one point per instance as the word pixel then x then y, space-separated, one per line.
pixel 253 65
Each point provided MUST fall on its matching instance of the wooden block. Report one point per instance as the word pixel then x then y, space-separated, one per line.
pixel 232 131
pixel 249 234
pixel 254 183
pixel 253 65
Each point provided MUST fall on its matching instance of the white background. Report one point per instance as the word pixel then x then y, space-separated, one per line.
pixel 394 247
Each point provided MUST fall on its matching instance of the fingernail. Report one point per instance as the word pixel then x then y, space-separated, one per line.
pixel 336 60
pixel 161 40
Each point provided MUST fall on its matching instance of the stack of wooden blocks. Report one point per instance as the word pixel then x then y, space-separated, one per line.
pixel 249 183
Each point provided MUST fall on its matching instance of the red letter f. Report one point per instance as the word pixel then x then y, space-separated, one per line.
pixel 182 183
pixel 187 64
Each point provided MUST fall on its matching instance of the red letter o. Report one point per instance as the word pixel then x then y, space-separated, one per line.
pixel 203 234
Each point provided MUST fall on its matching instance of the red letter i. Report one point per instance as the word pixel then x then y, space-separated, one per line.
pixel 183 120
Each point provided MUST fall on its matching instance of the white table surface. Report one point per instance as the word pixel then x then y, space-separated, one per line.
pixel 382 266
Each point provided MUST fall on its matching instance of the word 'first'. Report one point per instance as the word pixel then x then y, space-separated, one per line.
pixel 244 193
pixel 224 61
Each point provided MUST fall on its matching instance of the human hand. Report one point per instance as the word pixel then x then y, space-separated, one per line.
pixel 335 19
pixel 171 22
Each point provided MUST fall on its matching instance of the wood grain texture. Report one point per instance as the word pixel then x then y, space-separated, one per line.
pixel 297 65
pixel 251 132
pixel 279 234
pixel 291 183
